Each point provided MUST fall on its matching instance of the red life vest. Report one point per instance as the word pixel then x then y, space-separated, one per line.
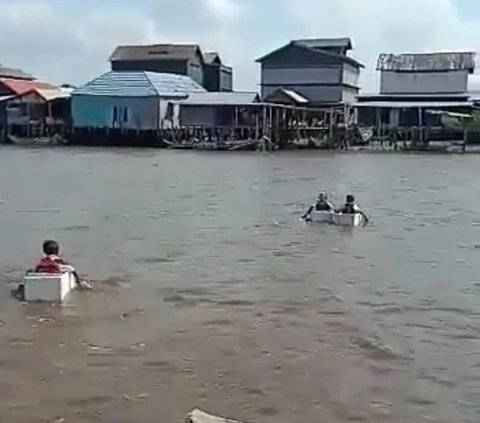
pixel 48 264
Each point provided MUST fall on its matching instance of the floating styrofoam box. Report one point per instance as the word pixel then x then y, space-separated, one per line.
pixel 322 216
pixel 348 219
pixel 48 287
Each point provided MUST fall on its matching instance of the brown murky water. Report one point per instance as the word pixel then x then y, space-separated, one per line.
pixel 210 293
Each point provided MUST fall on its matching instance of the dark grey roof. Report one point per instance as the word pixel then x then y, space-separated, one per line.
pixel 326 43
pixel 6 72
pixel 300 44
pixel 425 62
pixel 211 57
pixel 157 52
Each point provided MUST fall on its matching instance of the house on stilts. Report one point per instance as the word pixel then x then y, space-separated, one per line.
pixel 416 93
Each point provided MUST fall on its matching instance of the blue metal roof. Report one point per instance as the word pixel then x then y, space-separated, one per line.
pixel 170 85
pixel 140 84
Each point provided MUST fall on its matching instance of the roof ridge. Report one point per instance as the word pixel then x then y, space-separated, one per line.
pixel 230 92
pixel 424 61
pixel 324 39
pixel 327 53
pixel 426 53
pixel 159 44
pixel 138 84
pixel 297 43
pixel 155 51
pixel 89 83
pixel 152 85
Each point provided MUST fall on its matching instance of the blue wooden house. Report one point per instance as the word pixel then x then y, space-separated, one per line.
pixel 129 100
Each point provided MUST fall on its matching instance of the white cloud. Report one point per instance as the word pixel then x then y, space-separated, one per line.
pixel 67 41
pixel 223 10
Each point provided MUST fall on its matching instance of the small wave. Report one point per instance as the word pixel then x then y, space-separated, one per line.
pixel 420 326
pixel 288 310
pixel 156 260
pixel 246 260
pixel 75 228
pixel 393 309
pixel 218 322
pixel 332 312
pixel 113 281
pixel 90 401
pixel 454 310
pixel 462 336
pixel 416 400
pixel 446 383
pixel 180 300
pixel 234 303
pixel 39 211
pixel 197 291
pixel 375 349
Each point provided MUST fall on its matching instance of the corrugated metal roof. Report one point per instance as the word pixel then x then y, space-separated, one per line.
pixel 298 98
pixel 53 94
pixel 7 72
pixel 413 104
pixel 382 97
pixel 21 86
pixel 211 57
pixel 140 84
pixel 170 85
pixel 316 50
pixel 326 43
pixel 425 62
pixel 221 98
pixel 157 52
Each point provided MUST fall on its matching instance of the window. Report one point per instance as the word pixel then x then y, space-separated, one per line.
pixel 115 114
pixel 125 114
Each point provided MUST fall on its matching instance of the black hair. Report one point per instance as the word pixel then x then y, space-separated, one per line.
pixel 350 199
pixel 51 247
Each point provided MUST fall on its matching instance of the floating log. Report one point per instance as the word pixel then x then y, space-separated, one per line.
pixel 199 416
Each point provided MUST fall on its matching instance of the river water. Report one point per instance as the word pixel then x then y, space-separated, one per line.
pixel 210 293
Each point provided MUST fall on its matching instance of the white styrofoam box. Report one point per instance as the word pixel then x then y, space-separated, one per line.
pixel 48 287
pixel 354 219
pixel 322 216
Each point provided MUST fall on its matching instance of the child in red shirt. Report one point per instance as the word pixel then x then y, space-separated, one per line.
pixel 53 263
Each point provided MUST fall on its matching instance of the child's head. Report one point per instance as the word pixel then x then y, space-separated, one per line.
pixel 51 248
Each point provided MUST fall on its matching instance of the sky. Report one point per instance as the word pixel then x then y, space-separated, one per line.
pixel 70 41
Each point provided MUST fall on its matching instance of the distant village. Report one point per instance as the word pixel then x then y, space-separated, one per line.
pixel 179 96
